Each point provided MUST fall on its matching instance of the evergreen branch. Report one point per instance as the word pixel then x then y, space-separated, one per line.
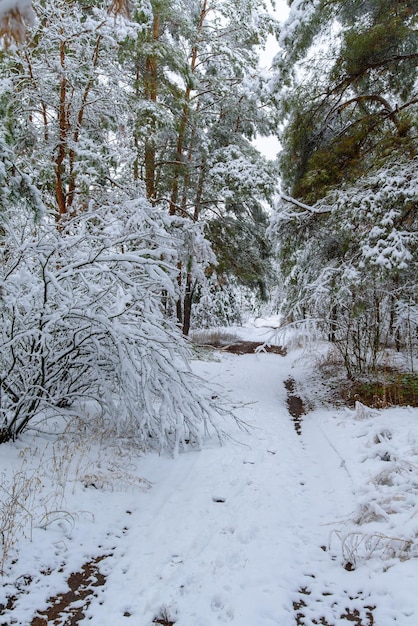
pixel 305 207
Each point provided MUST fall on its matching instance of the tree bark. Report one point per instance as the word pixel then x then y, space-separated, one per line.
pixel 184 120
pixel 151 94
pixel 60 193
pixel 184 306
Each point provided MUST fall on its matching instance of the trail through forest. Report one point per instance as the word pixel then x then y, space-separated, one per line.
pixel 249 532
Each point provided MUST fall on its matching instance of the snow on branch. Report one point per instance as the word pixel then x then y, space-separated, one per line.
pixel 15 16
pixel 305 207
pixel 85 303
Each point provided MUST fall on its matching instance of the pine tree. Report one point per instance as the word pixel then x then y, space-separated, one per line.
pixel 346 223
pixel 197 104
pixel 84 257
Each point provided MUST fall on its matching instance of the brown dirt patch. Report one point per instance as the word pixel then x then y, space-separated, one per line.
pixel 9 606
pixel 295 405
pixel 21 587
pixel 68 609
pixel 290 385
pixel 250 347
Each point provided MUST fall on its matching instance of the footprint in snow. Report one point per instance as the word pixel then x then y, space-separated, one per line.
pixel 225 613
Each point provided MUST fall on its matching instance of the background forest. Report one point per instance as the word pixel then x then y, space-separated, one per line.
pixel 346 228
pixel 134 203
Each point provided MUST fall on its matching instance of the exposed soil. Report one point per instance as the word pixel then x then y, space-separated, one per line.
pixel 68 609
pixel 9 606
pixel 245 347
pixel 295 405
pixel 22 585
pixel 249 347
pixel 350 615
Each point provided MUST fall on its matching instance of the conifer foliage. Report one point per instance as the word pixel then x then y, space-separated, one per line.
pixel 125 128
pixel 346 225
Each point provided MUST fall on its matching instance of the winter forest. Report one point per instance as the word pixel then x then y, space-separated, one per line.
pixel 137 209
pixel 134 204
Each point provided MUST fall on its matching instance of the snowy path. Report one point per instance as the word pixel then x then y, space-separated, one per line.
pixel 230 534
pixel 248 533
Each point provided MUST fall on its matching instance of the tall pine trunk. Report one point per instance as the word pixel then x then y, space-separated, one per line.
pixel 181 169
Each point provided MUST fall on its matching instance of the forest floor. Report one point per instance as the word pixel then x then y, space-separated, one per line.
pixel 305 515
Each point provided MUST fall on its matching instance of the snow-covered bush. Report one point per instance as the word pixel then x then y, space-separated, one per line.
pixel 350 261
pixel 383 524
pixel 81 322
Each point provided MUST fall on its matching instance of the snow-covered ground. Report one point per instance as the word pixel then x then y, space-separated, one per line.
pixel 269 529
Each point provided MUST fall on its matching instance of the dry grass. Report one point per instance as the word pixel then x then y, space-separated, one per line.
pixel 387 389
pixel 216 337
pixel 35 494
pixel 360 546
pixel 388 386
pixel 164 618
pixel 16 511
pixel 25 500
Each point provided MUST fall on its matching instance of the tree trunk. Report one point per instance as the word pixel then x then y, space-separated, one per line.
pixel 151 94
pixel 76 132
pixel 333 324
pixel 184 306
pixel 184 120
pixel 187 305
pixel 60 193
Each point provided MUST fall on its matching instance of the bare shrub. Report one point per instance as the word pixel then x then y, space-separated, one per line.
pixel 359 546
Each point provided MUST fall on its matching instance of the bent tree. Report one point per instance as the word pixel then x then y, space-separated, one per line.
pixel 346 225
pixel 82 334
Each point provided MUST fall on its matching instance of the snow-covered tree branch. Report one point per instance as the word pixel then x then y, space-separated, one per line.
pixel 83 331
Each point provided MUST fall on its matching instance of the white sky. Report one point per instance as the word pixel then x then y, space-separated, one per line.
pixel 270 146
pixel 280 12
